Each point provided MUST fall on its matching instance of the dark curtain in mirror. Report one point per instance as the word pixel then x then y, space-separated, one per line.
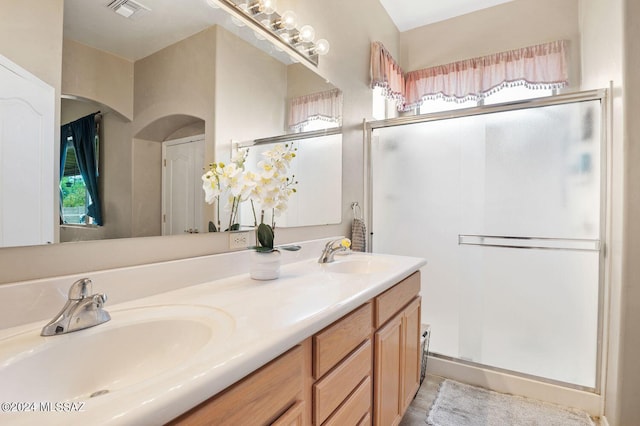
pixel 82 133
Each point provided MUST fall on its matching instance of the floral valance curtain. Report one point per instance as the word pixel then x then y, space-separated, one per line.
pixel 325 106
pixel 537 67
pixel 387 74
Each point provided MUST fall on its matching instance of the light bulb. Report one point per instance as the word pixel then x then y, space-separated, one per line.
pixel 322 47
pixel 268 6
pixel 288 20
pixel 307 33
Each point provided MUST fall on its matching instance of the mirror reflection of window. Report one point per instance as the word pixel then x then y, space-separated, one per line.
pixel 312 125
pixel 80 201
pixel 73 190
pixel 317 111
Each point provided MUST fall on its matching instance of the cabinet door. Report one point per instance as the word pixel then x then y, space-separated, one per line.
pixel 258 399
pixel 388 359
pixel 411 357
pixel 293 417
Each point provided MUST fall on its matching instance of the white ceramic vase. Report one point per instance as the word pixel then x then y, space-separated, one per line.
pixel 265 265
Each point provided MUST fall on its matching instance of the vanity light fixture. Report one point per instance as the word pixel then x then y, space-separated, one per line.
pixel 281 29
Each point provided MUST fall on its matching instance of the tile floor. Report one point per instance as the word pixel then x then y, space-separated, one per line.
pixel 416 414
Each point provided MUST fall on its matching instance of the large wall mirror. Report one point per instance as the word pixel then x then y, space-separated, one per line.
pixel 170 89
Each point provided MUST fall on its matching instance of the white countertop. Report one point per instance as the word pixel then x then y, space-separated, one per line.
pixel 267 318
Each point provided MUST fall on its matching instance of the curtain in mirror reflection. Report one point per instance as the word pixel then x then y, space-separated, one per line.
pixel 79 193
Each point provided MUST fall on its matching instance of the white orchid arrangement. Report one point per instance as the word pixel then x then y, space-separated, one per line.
pixel 228 180
pixel 267 189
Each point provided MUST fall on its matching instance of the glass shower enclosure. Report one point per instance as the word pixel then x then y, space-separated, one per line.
pixel 506 204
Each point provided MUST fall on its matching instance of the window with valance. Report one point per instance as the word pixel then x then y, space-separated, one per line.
pixel 322 106
pixel 542 66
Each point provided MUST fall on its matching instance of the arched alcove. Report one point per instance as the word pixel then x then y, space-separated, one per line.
pixel 147 168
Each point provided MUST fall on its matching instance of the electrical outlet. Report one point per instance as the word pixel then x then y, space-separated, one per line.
pixel 239 239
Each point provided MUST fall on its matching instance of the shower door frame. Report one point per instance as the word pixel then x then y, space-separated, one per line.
pixel 601 95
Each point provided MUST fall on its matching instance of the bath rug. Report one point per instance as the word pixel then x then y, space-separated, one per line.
pixel 458 404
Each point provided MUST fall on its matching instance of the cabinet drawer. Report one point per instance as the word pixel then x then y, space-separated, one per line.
pixel 336 386
pixel 354 408
pixel 335 342
pixel 258 399
pixel 391 301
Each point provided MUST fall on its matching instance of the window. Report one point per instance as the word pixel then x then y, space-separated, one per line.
pixel 317 125
pixel 507 94
pixel 79 159
pixel 75 198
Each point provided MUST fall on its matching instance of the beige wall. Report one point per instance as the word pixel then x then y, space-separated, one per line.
pixel 92 74
pixel 301 81
pixel 31 36
pixel 629 369
pixel 500 28
pixel 249 83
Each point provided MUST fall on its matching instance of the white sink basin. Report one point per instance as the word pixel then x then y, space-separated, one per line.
pixel 137 345
pixel 356 264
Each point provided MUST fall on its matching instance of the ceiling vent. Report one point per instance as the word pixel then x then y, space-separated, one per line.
pixel 128 8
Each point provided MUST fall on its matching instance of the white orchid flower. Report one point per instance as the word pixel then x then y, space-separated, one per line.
pixel 210 186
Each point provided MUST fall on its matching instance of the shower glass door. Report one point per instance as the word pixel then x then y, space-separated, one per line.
pixel 506 208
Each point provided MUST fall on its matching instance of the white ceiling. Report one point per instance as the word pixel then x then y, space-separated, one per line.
pixel 92 23
pixel 169 21
pixel 409 14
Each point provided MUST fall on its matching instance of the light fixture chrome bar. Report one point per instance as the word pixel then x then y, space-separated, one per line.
pixel 254 18
pixel 541 243
pixel 291 137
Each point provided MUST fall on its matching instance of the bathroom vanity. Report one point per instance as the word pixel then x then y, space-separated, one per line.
pixel 196 341
pixel 329 377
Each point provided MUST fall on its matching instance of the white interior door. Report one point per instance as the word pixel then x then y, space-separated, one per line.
pixel 27 178
pixel 182 195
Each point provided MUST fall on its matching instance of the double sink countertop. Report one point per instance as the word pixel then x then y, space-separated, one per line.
pixel 163 354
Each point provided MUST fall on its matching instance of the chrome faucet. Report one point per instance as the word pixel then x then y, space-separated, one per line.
pixel 82 310
pixel 332 248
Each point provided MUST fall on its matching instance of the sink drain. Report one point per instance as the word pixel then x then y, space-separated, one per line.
pixel 98 393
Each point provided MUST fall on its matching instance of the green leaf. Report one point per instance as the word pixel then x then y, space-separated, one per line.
pixel 265 235
pixel 212 227
pixel 261 249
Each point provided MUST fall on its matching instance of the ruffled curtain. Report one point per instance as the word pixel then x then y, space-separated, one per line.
pixel 543 66
pixel 387 74
pixel 326 106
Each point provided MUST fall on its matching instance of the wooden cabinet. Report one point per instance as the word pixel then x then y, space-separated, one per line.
pixel 411 356
pixel 259 399
pixel 396 353
pixel 342 360
pixel 364 367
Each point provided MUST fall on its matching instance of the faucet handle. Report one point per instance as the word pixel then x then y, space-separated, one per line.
pixel 80 289
pixel 99 300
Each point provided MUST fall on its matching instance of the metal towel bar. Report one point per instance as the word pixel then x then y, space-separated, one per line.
pixel 542 243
